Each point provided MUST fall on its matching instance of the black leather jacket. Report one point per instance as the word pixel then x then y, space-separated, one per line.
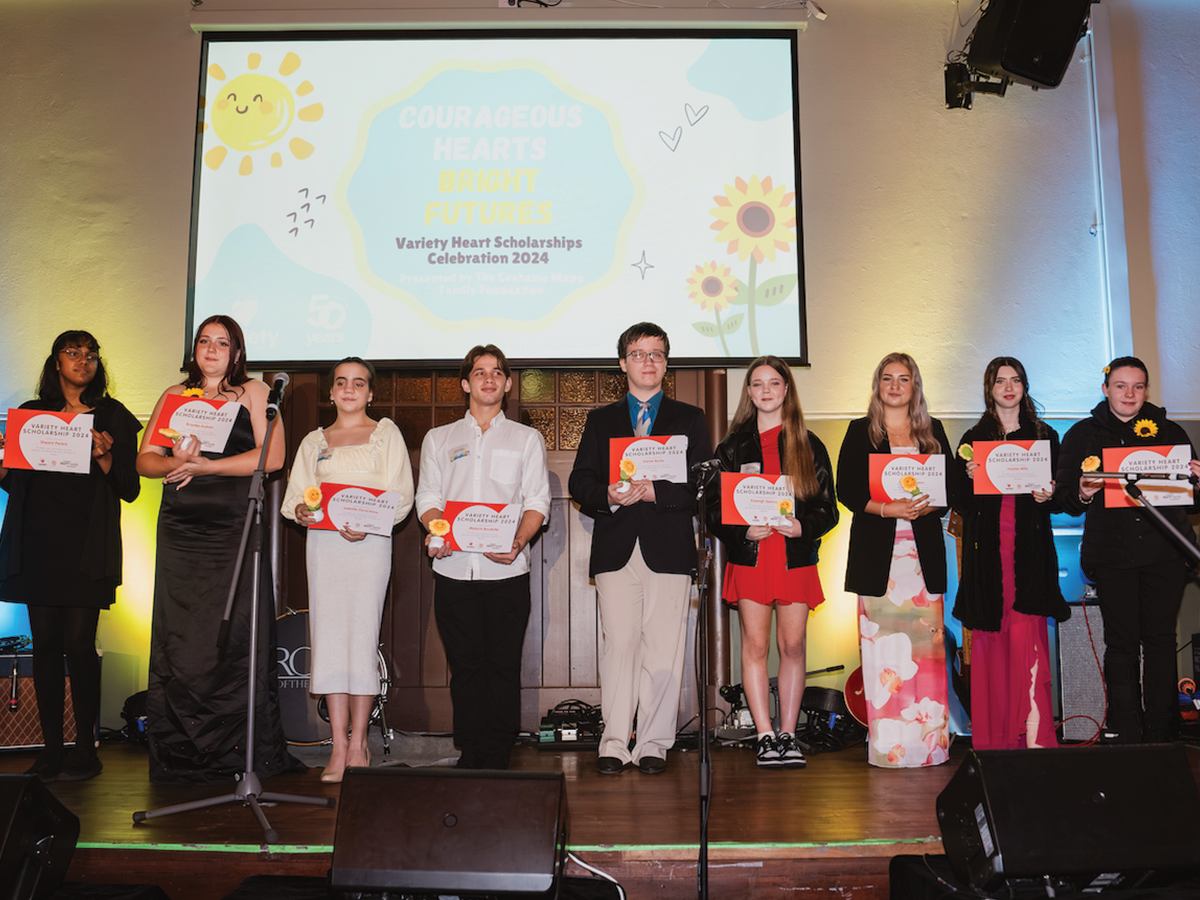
pixel 817 514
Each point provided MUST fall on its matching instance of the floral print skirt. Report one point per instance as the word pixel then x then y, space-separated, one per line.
pixel 904 665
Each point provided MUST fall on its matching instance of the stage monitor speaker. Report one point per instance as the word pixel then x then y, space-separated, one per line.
pixel 1028 41
pixel 455 831
pixel 37 838
pixel 1072 812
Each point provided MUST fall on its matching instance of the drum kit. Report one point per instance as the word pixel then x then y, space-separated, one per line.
pixel 305 717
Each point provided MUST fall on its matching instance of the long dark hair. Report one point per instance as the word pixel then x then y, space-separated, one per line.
pixel 1029 407
pixel 919 422
pixel 799 462
pixel 235 372
pixel 50 387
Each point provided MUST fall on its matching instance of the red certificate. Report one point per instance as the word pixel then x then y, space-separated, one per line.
pixel 209 420
pixel 1167 459
pixel 482 527
pixel 48 441
pixel 756 499
pixel 898 476
pixel 657 458
pixel 370 510
pixel 1012 467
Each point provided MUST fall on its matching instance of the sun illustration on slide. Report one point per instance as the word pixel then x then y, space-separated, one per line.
pixel 254 111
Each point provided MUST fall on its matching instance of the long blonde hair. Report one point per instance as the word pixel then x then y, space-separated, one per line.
pixel 798 463
pixel 919 423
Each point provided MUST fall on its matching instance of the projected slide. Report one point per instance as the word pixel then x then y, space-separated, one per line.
pixel 404 199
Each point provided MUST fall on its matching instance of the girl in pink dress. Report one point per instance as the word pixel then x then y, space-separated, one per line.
pixel 1009 583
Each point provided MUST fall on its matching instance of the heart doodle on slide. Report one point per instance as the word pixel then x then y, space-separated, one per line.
pixel 694 115
pixel 672 140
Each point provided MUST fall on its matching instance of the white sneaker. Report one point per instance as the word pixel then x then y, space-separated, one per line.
pixel 768 751
pixel 789 752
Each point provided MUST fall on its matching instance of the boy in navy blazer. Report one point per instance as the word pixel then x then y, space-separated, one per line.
pixel 643 557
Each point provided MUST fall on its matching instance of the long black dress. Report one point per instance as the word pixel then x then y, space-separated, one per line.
pixel 196 701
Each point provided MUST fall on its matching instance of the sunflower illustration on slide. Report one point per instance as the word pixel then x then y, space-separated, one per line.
pixel 754 219
pixel 253 111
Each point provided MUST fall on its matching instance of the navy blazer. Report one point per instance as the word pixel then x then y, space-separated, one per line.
pixel 664 528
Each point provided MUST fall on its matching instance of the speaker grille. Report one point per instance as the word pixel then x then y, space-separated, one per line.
pixel 1081 678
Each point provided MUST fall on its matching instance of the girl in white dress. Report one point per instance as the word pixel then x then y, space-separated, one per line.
pixel 348 571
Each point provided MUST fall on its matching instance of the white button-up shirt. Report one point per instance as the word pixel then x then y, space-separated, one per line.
pixel 505 464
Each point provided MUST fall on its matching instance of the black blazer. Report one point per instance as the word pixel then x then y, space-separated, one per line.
pixel 817 514
pixel 668 539
pixel 872 537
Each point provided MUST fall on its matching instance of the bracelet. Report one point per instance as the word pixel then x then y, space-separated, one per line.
pixel 1086 501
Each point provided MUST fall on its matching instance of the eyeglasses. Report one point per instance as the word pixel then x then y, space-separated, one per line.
pixel 76 355
pixel 640 356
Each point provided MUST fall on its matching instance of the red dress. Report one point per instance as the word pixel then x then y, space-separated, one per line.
pixel 771 581
pixel 1004 663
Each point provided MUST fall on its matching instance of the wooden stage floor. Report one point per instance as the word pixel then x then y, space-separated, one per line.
pixel 829 829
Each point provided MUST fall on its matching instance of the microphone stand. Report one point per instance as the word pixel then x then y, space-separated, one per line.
pixel 1135 493
pixel 249 786
pixel 705 476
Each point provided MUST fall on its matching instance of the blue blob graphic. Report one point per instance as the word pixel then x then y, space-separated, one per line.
pixel 733 69
pixel 493 209
pixel 287 311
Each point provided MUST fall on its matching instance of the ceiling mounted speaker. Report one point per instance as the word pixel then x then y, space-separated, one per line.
pixel 1028 41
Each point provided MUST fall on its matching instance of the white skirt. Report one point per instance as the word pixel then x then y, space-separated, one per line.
pixel 347 585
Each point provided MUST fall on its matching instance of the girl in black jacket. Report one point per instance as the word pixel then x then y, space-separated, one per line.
pixel 1138 568
pixel 1009 581
pixel 897 566
pixel 775 565
pixel 60 550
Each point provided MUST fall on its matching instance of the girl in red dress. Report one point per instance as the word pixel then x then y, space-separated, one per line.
pixel 775 566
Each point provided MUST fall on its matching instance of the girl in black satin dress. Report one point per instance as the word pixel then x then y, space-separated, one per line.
pixel 196 701
pixel 60 551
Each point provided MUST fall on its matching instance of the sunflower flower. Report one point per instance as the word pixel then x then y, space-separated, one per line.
pixel 312 497
pixel 909 483
pixel 785 507
pixel 712 286
pixel 193 392
pixel 1090 464
pixel 966 451
pixel 756 218
pixel 1144 428
pixel 628 469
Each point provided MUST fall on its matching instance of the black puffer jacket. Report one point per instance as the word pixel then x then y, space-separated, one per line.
pixel 1122 538
pixel 817 514
pixel 980 601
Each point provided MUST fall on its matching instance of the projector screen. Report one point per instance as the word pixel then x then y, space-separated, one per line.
pixel 405 197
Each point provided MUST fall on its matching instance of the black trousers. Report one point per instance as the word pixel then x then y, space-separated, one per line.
pixel 482 624
pixel 68 631
pixel 1140 607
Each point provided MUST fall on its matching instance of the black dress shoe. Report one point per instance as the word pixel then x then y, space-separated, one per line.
pixel 609 765
pixel 80 764
pixel 652 765
pixel 48 765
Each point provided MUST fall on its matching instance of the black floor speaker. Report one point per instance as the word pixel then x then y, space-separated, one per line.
pixel 456 831
pixel 37 838
pixel 1028 41
pixel 1115 813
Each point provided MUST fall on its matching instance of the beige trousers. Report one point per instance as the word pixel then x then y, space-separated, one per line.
pixel 643 615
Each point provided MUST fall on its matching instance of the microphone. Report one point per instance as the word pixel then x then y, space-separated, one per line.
pixel 277 385
pixel 12 692
pixel 1133 477
pixel 707 466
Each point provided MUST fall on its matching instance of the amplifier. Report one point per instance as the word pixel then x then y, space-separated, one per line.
pixel 19 725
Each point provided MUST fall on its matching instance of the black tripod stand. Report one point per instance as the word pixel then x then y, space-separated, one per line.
pixel 706 472
pixel 249 787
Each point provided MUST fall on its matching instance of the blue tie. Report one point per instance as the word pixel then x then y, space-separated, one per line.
pixel 642 429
